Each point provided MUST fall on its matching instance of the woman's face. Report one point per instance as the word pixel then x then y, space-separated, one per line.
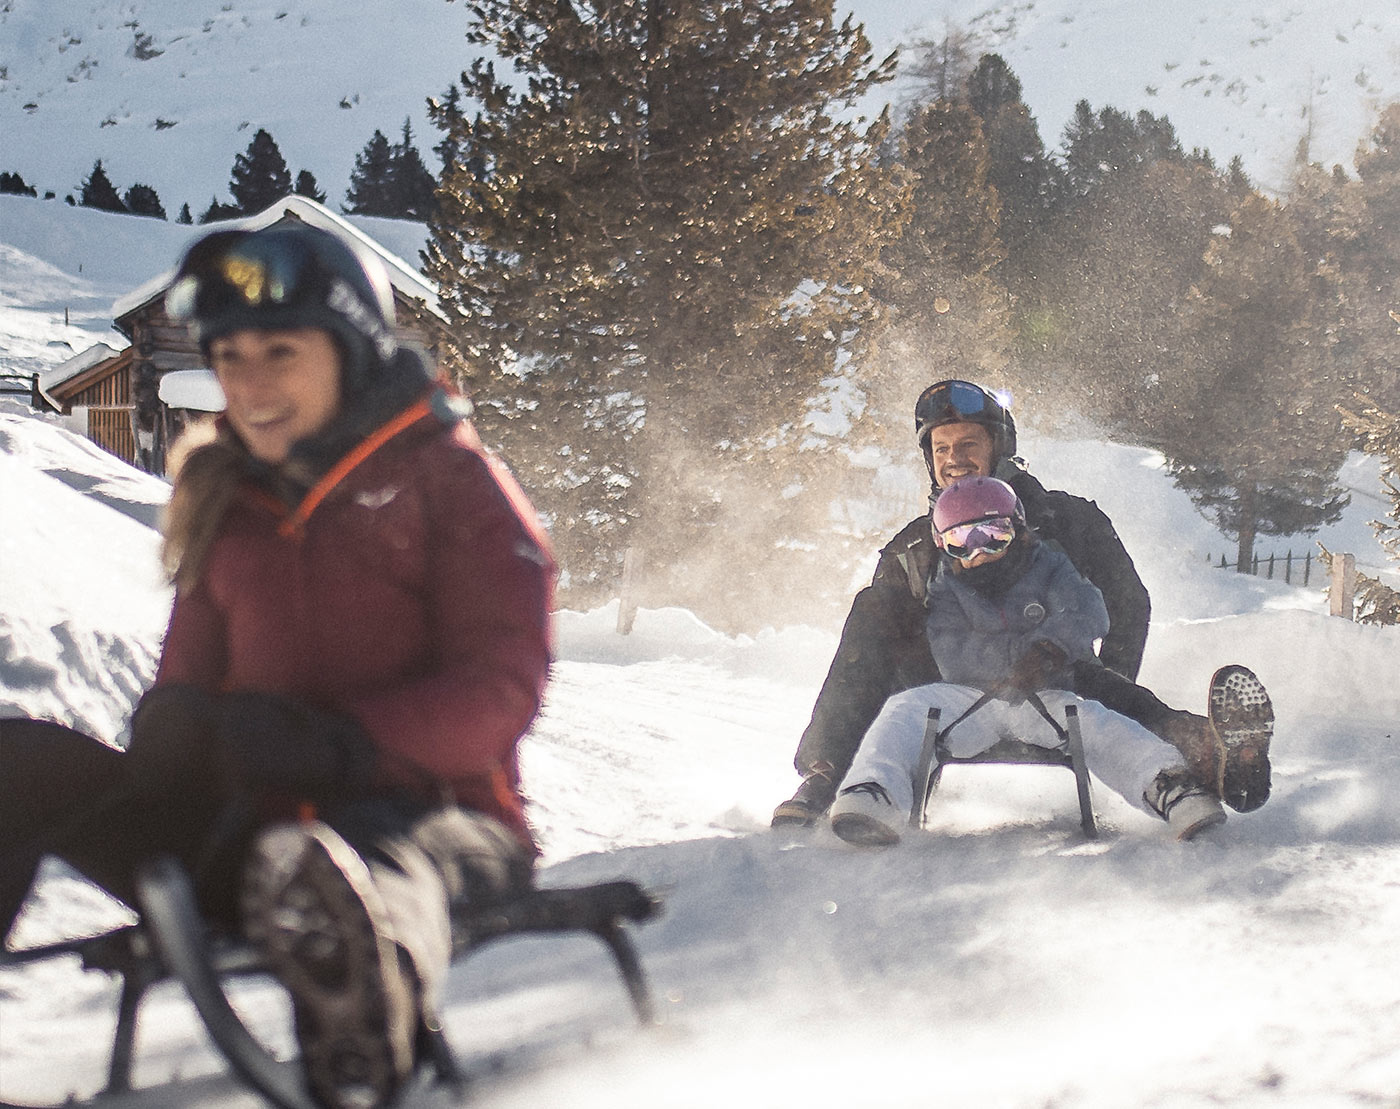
pixel 280 386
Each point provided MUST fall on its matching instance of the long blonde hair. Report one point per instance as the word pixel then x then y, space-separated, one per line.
pixel 206 464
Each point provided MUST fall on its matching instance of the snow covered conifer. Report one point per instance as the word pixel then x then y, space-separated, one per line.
pixel 143 200
pixel 653 245
pixel 99 192
pixel 1253 434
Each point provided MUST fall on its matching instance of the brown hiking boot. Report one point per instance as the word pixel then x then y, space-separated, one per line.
pixel 1196 739
pixel 813 797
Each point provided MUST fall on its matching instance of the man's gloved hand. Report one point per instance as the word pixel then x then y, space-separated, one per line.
pixel 172 733
pixel 1035 668
pixel 271 744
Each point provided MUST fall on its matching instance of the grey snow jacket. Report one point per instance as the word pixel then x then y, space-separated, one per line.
pixel 976 640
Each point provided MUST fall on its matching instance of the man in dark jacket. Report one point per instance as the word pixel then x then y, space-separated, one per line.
pixel 963 429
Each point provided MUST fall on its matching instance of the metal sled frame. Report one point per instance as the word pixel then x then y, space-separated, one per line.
pixel 164 945
pixel 934 756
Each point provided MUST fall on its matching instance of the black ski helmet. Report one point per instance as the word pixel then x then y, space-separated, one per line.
pixel 286 276
pixel 954 401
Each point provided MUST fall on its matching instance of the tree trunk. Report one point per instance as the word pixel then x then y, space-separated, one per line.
pixel 1244 557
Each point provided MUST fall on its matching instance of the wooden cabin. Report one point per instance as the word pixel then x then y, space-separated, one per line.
pixel 120 391
pixel 94 389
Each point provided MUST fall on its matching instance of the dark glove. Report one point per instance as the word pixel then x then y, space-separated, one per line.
pixel 173 732
pixel 270 744
pixel 1034 669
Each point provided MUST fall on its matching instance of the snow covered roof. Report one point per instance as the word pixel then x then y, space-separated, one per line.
pixel 65 371
pixel 194 389
pixel 402 276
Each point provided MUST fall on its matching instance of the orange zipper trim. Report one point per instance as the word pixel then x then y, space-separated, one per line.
pixel 293 524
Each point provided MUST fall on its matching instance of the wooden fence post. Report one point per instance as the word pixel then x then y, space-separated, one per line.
pixel 627 601
pixel 1341 595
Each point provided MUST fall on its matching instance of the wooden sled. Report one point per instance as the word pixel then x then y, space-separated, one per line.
pixel 171 941
pixel 935 755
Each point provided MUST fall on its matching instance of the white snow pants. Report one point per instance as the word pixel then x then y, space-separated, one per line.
pixel 1121 753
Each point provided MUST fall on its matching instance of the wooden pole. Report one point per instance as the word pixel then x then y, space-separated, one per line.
pixel 1341 595
pixel 627 602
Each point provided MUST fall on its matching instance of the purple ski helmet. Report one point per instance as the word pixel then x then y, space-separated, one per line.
pixel 970 500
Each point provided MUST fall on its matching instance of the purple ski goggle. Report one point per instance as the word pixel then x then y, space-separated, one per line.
pixel 992 536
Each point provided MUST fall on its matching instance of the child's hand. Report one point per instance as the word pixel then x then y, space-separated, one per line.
pixel 1037 666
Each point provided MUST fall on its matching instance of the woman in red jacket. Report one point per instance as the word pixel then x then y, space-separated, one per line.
pixel 360 636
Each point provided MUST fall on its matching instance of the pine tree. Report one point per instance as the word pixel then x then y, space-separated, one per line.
pixel 1100 291
pixel 944 305
pixel 390 180
pixel 371 191
pixel 14 185
pixel 218 210
pixel 260 176
pixel 1099 146
pixel 1252 433
pixel 1023 174
pixel 1365 233
pixel 449 119
pixel 185 216
pixel 410 181
pixel 306 186
pixel 938 69
pixel 142 200
pixel 99 192
pixel 653 255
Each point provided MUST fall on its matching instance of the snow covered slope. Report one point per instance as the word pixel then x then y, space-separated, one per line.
pixel 167 92
pixel 998 959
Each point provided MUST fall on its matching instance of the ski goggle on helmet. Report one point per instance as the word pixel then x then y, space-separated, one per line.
pixel 977 514
pixel 286 276
pixel 954 401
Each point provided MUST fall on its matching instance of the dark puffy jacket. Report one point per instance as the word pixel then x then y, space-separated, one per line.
pixel 410 589
pixel 884 648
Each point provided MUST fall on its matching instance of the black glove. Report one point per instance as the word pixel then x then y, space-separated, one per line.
pixel 173 731
pixel 270 744
pixel 1034 669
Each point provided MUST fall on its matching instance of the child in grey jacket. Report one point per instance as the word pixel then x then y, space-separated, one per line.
pixel 1007 616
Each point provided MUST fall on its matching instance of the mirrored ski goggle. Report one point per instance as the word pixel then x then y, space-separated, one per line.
pixel 233 270
pixel 950 401
pixel 992 536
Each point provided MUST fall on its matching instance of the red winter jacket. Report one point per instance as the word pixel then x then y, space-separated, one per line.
pixel 411 589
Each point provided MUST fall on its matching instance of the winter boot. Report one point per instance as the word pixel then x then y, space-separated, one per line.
pixel 1242 713
pixel 1199 743
pixel 315 917
pixel 1188 808
pixel 863 814
pixel 813 797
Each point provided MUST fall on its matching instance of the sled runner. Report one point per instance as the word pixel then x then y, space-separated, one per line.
pixel 171 941
pixel 935 755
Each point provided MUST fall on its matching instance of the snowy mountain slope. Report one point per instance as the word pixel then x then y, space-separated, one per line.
pixel 168 92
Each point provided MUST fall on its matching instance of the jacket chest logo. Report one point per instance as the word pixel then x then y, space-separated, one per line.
pixel 377 499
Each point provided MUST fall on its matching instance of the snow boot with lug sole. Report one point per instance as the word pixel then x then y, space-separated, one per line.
pixel 312 912
pixel 1243 716
pixel 863 814
pixel 813 797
